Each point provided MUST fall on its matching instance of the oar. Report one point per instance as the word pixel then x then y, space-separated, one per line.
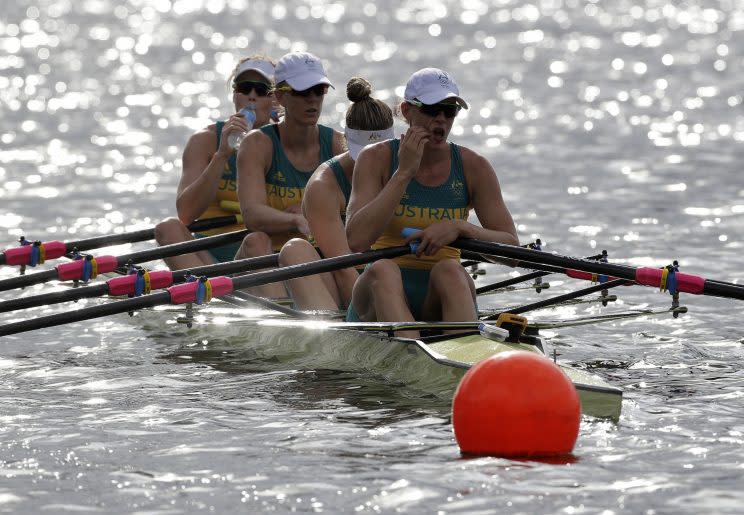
pixel 138 283
pixel 89 267
pixel 36 253
pixel 204 289
pixel 510 282
pixel 560 298
pixel 543 271
pixel 656 277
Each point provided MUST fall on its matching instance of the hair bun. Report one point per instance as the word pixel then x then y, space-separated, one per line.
pixel 358 89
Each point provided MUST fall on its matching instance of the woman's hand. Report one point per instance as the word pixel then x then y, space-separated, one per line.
pixel 434 237
pixel 300 221
pixel 235 124
pixel 412 144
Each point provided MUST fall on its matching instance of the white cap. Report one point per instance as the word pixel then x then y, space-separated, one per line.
pixel 356 140
pixel 431 86
pixel 265 68
pixel 301 70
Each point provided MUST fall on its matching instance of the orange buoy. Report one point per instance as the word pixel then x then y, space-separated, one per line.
pixel 516 404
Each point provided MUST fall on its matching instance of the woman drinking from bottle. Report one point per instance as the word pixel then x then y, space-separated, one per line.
pixel 209 174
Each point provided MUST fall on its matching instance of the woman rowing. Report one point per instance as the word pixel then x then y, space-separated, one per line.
pixel 209 167
pixel 368 120
pixel 275 162
pixel 425 182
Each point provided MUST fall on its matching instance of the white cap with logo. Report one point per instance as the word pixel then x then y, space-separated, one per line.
pixel 301 70
pixel 261 66
pixel 431 86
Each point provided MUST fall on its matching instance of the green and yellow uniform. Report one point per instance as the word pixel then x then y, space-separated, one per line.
pixel 420 207
pixel 285 184
pixel 227 190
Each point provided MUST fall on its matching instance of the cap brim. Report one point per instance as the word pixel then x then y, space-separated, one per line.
pixel 437 97
pixel 308 81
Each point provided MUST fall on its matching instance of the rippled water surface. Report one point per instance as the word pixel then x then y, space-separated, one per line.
pixel 612 125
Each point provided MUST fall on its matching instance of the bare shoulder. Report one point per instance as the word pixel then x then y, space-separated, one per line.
pixel 259 141
pixel 322 192
pixel 207 135
pixel 474 163
pixel 376 153
pixel 320 177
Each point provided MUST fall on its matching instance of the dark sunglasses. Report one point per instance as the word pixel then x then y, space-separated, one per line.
pixel 244 87
pixel 433 110
pixel 318 89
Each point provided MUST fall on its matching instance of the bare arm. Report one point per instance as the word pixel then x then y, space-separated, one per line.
pixel 373 197
pixel 322 205
pixel 202 169
pixel 485 196
pixel 254 160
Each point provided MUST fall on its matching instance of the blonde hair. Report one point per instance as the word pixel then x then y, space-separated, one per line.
pixel 366 113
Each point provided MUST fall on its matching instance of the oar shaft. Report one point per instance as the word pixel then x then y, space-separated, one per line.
pixel 322 266
pixel 22 281
pixel 102 310
pixel 723 289
pixel 55 297
pixel 544 258
pixel 510 282
pixel 568 296
pixel 144 234
pixel 176 249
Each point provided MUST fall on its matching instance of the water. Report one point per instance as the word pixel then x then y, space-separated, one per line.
pixel 612 126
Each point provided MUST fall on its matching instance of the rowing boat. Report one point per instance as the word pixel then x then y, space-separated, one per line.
pixel 432 364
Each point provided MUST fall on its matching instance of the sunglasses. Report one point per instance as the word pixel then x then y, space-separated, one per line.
pixel 433 110
pixel 244 87
pixel 318 89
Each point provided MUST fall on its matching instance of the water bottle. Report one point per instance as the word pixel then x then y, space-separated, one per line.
pixel 249 113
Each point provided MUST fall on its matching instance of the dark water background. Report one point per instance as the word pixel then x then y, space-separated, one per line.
pixel 612 125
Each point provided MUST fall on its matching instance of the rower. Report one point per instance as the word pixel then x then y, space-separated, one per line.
pixel 275 162
pixel 209 167
pixel 368 121
pixel 423 181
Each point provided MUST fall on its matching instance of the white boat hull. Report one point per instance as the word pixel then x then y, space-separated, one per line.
pixel 433 365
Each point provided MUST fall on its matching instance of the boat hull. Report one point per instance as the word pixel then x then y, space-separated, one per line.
pixel 433 365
